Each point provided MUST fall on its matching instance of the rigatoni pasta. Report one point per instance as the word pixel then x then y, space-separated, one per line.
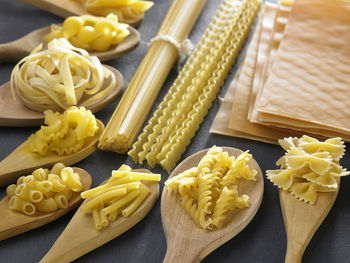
pixel 121 195
pixel 44 190
pixel 206 194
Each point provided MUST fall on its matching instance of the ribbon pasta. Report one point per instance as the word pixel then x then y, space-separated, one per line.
pixel 209 191
pixel 59 77
pixel 309 166
pixel 45 193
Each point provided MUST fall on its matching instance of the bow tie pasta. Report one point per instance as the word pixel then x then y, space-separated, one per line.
pixel 309 166
pixel 209 191
pixel 64 133
pixel 44 190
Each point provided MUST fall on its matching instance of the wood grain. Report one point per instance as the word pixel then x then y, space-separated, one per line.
pixel 81 237
pixel 21 161
pixel 13 223
pixel 186 241
pixel 301 220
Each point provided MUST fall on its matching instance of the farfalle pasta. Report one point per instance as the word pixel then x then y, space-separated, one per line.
pixel 121 195
pixel 90 32
pixel 44 190
pixel 309 166
pixel 124 9
pixel 209 191
pixel 59 77
pixel 64 133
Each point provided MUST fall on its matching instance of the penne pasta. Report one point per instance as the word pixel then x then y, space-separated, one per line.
pixel 118 204
pixel 103 197
pixel 144 191
pixel 137 176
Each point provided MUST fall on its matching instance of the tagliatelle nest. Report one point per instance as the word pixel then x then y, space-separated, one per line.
pixel 59 77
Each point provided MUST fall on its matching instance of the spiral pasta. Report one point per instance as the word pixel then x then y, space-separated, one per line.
pixel 205 192
pixel 44 190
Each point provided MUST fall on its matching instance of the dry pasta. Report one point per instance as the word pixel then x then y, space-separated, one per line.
pixel 65 133
pixel 59 77
pixel 121 195
pixel 124 9
pixel 44 190
pixel 204 194
pixel 178 117
pixel 309 166
pixel 90 32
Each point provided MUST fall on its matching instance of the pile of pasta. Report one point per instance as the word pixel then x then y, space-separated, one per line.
pixel 44 190
pixel 309 166
pixel 121 195
pixel 59 77
pixel 64 133
pixel 209 190
pixel 124 9
pixel 90 32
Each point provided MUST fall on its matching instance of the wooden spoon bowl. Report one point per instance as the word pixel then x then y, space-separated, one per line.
pixel 22 161
pixel 186 241
pixel 81 237
pixel 13 223
pixel 14 113
pixel 301 220
pixel 65 8
pixel 20 48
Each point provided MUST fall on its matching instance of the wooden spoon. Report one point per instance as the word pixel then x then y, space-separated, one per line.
pixel 186 241
pixel 18 49
pixel 13 113
pixel 81 237
pixel 13 223
pixel 21 161
pixel 65 8
pixel 301 220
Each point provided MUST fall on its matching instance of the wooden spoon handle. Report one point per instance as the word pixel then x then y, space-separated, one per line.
pixel 294 252
pixel 12 52
pixel 181 252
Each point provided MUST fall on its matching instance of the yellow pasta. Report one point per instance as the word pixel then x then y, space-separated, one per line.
pixel 90 32
pixel 18 204
pixel 206 193
pixel 71 179
pixel 308 166
pixel 58 77
pixel 64 134
pixel 124 9
pixel 38 192
pixel 122 194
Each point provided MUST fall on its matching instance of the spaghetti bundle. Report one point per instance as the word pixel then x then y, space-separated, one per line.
pixel 137 101
pixel 182 110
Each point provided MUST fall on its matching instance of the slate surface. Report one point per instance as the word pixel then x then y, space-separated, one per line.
pixel 263 240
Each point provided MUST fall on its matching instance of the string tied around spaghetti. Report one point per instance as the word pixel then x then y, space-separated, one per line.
pixel 184 48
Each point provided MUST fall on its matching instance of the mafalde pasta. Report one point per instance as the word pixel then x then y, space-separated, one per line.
pixel 309 166
pixel 90 32
pixel 59 77
pixel 44 190
pixel 124 9
pixel 121 195
pixel 64 133
pixel 209 191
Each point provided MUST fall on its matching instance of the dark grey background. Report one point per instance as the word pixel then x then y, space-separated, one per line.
pixel 263 240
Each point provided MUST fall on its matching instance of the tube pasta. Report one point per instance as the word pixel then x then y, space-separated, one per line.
pixel 308 166
pixel 35 192
pixel 90 32
pixel 107 206
pixel 204 195
pixel 58 77
pixel 71 179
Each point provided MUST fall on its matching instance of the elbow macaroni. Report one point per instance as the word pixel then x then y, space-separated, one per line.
pixel 209 191
pixel 122 194
pixel 44 190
